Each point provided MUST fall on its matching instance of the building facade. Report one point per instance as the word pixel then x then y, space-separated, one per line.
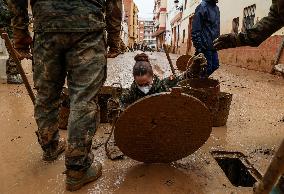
pixel 175 14
pixel 124 27
pixel 146 30
pixel 160 16
pixel 131 16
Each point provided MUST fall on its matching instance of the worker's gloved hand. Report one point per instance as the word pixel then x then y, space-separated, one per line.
pixel 199 61
pixel 22 43
pixel 226 41
pixel 196 65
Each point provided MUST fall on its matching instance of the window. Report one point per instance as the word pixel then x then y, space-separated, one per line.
pixel 185 2
pixel 249 16
pixel 235 25
pixel 183 36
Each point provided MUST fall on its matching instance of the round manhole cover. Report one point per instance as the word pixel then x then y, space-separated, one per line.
pixel 163 128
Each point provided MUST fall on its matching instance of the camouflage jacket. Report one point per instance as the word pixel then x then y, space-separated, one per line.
pixel 68 15
pixel 5 17
pixel 134 94
pixel 265 27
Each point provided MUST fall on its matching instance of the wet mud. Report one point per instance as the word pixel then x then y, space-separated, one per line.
pixel 254 128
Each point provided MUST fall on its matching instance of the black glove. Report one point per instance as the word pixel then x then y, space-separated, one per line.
pixel 196 65
pixel 226 41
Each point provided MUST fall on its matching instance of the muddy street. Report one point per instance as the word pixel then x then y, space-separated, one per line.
pixel 255 127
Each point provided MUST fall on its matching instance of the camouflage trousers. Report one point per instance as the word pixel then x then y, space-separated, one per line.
pixel 79 57
pixel 11 67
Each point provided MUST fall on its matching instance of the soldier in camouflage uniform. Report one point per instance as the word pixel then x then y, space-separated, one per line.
pixel 147 83
pixel 13 76
pixel 69 42
pixel 254 37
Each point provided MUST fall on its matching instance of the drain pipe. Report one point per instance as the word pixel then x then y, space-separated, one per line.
pixel 274 171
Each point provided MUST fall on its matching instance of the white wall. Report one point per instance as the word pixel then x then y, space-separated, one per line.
pixel 231 9
pixel 172 12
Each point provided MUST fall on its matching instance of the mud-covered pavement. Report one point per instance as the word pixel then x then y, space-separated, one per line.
pixel 255 128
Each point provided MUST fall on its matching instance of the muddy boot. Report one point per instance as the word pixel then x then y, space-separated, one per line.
pixel 75 180
pixel 52 153
pixel 14 79
pixel 113 52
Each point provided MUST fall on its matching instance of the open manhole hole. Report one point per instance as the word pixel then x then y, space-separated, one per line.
pixel 237 168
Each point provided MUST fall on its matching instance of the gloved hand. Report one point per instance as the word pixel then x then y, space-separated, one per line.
pixel 226 41
pixel 196 65
pixel 22 43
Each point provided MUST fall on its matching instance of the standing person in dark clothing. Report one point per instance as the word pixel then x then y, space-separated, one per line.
pixel 69 43
pixel 205 29
pixel 147 83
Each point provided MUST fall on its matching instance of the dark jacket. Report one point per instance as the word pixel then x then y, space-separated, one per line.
pixel 206 26
pixel 265 27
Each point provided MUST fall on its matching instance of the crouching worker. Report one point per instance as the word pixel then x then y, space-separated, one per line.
pixel 147 83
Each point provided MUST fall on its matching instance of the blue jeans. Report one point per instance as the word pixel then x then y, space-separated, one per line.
pixel 212 62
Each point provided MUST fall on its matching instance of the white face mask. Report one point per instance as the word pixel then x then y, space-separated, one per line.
pixel 145 89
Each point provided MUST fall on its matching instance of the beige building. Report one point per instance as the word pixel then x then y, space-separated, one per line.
pixel 131 15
